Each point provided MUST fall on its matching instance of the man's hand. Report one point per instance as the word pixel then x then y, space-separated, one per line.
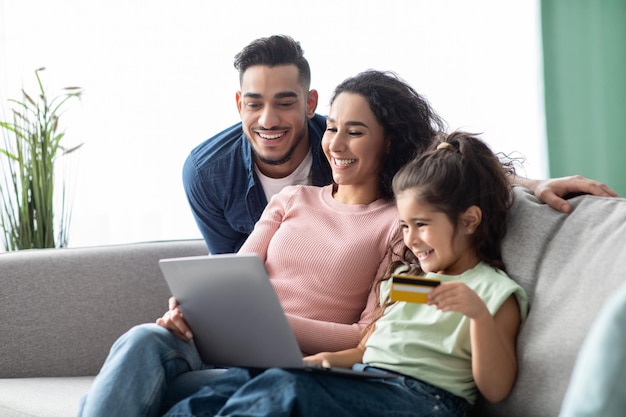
pixel 553 190
pixel 173 321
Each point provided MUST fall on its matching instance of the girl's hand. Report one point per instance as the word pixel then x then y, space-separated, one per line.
pixel 456 296
pixel 173 321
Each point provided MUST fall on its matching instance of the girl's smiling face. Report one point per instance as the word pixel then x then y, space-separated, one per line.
pixel 438 244
pixel 354 143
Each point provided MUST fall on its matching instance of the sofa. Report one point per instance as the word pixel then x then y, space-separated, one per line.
pixel 62 309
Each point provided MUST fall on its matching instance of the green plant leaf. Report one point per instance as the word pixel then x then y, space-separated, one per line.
pixel 31 147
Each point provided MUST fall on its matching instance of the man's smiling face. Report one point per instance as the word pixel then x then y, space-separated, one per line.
pixel 274 108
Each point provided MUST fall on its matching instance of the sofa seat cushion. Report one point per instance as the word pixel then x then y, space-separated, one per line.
pixel 42 397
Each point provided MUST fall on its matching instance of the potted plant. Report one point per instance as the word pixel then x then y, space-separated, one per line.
pixel 31 149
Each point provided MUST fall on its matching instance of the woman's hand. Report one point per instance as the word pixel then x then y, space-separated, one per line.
pixel 174 321
pixel 322 358
pixel 342 359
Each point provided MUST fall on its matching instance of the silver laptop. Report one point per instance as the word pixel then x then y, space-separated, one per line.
pixel 236 318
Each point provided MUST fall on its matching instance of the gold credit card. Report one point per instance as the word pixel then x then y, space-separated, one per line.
pixel 411 288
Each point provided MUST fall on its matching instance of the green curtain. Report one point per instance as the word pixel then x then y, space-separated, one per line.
pixel 584 50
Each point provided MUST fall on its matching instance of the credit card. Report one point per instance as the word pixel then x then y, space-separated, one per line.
pixel 411 288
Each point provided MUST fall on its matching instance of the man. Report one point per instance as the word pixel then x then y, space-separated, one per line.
pixel 230 177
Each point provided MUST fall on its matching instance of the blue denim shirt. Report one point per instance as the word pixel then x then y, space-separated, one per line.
pixel 223 190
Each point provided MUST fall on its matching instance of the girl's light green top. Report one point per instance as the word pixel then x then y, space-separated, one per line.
pixel 420 341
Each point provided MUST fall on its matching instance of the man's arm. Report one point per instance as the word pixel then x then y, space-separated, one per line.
pixel 553 191
pixel 216 231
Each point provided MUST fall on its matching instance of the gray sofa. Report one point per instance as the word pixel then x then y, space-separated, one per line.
pixel 62 309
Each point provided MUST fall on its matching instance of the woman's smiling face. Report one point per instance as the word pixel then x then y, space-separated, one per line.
pixel 354 142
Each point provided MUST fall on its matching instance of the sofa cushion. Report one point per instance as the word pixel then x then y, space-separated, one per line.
pixel 569 264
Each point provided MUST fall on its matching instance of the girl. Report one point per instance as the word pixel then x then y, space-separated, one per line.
pixel 452 203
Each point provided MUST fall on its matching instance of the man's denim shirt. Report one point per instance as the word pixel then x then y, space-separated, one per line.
pixel 223 190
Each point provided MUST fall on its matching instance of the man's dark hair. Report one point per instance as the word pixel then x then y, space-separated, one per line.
pixel 272 51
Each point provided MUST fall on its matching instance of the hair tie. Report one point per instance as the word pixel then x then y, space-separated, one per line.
pixel 444 145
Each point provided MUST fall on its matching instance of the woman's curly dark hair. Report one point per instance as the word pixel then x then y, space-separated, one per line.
pixel 406 117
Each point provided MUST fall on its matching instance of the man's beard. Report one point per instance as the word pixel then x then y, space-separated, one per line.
pixel 286 157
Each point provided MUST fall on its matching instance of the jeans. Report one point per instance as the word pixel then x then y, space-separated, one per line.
pixel 140 366
pixel 597 385
pixel 284 393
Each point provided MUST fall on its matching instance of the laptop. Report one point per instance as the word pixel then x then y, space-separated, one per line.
pixel 235 315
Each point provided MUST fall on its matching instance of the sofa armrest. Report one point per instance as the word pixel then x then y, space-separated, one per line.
pixel 62 309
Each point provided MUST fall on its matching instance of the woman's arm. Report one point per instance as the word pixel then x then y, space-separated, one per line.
pixel 324 336
pixel 265 228
pixel 344 358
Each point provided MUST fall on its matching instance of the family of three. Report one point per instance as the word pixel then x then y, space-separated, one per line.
pixel 334 206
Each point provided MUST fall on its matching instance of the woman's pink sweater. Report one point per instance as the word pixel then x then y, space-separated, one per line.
pixel 322 257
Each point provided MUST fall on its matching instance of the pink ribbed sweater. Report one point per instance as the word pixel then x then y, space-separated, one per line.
pixel 322 257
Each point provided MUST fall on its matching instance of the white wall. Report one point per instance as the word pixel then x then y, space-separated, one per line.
pixel 158 79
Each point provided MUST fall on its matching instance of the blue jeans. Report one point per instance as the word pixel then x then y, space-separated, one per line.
pixel 284 393
pixel 597 385
pixel 134 378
